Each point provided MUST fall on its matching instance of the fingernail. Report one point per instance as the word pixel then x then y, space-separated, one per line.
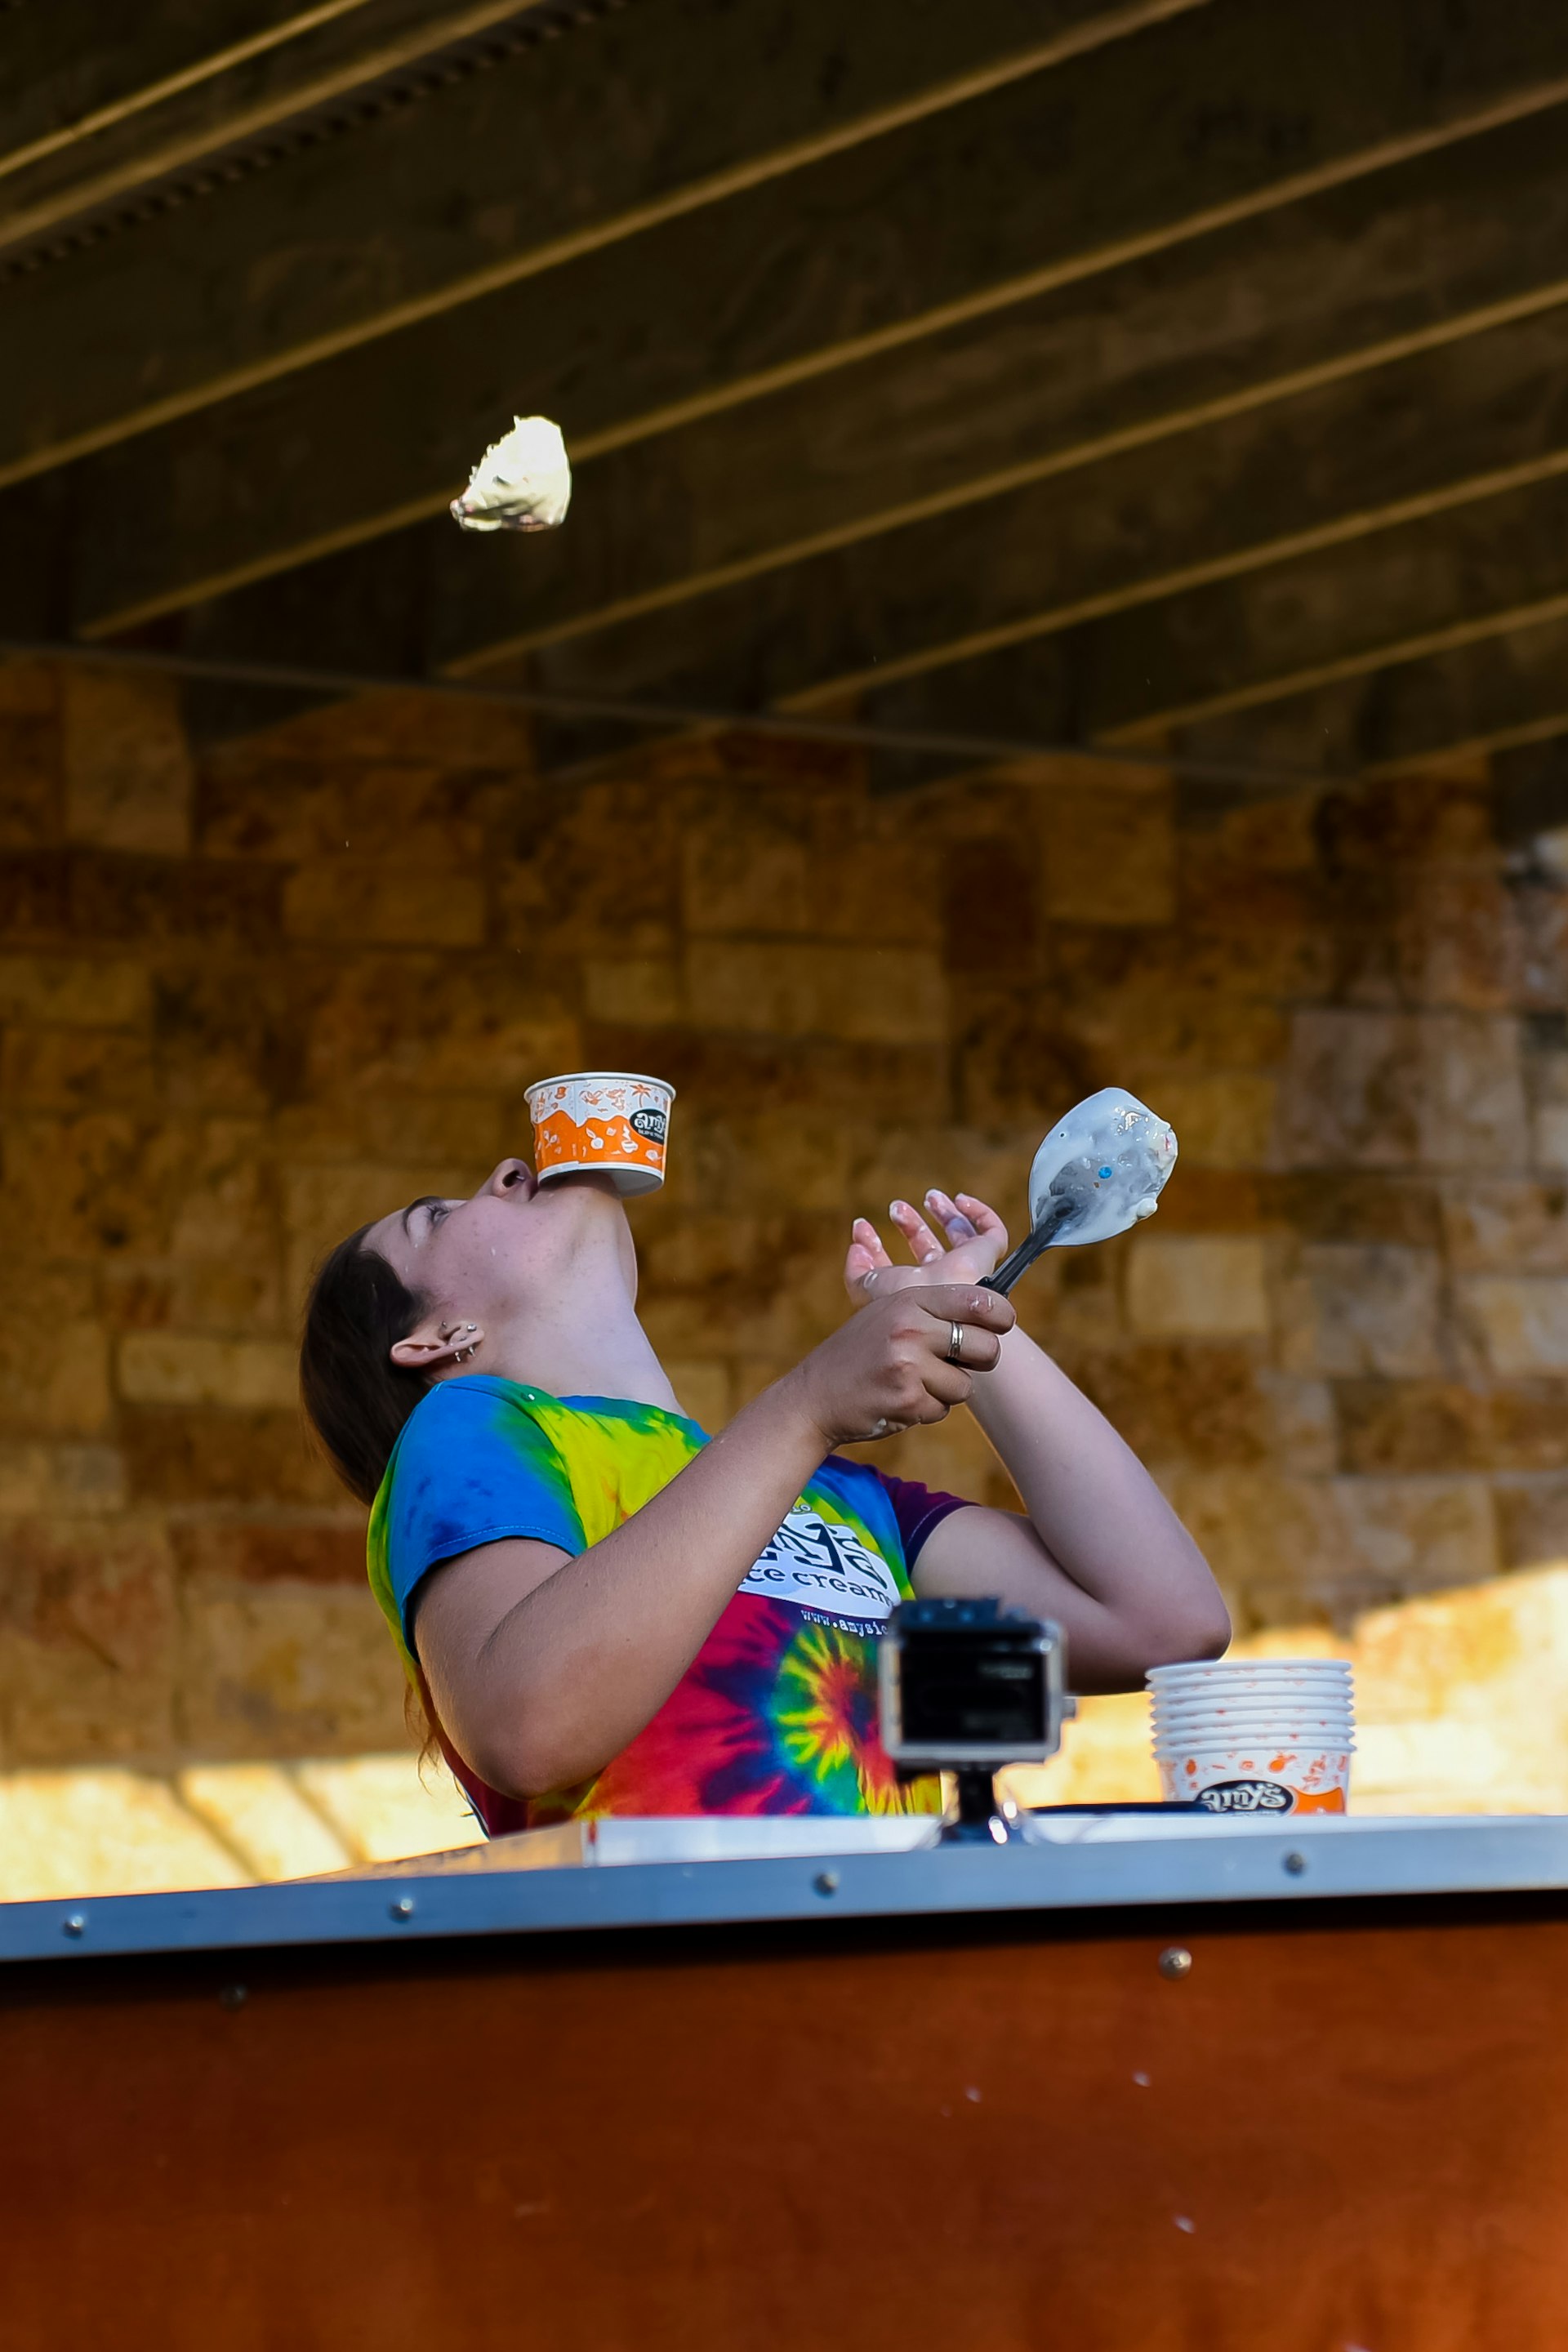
pixel 898 1209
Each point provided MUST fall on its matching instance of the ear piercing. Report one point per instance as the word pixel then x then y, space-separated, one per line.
pixel 461 1354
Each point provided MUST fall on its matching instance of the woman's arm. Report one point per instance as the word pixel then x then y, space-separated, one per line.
pixel 542 1666
pixel 1101 1551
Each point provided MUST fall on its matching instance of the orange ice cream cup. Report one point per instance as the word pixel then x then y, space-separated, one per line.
pixel 604 1122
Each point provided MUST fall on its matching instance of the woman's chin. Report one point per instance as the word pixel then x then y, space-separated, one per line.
pixel 581 1180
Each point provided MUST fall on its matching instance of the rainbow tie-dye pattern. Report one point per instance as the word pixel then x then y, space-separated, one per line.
pixel 777 1713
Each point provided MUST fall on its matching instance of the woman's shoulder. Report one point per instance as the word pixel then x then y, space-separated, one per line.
pixel 477 1410
pixel 469 1450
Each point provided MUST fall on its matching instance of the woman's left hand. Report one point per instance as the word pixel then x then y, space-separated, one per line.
pixel 958 1240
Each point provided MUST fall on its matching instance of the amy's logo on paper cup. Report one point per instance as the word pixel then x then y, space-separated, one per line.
pixel 613 1122
pixel 1246 1797
pixel 1257 1776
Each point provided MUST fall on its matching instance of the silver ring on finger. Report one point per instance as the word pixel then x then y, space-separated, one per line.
pixel 955 1343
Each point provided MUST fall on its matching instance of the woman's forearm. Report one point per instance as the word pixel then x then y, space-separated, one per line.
pixel 1103 1553
pixel 1092 1504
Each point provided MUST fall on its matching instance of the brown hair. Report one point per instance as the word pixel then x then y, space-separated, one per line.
pixel 356 1397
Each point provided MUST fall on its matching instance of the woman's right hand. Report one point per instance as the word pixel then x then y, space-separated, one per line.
pixel 890 1368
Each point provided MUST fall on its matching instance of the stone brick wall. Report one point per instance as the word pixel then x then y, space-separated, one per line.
pixel 253 996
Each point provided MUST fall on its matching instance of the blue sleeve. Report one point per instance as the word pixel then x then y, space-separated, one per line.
pixel 471 1467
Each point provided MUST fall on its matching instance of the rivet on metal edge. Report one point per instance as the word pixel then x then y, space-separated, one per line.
pixel 403 1909
pixel 1175 1960
pixel 826 1881
pixel 74 1923
pixel 1295 1863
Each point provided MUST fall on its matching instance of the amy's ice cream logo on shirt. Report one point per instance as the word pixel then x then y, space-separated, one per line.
pixel 821 1566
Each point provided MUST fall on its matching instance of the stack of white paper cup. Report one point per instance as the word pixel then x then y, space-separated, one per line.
pixel 1256 1735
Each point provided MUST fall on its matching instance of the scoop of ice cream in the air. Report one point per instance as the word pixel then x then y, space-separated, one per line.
pixel 1109 1158
pixel 524 481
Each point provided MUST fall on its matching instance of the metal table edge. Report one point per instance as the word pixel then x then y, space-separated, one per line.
pixel 1516 1854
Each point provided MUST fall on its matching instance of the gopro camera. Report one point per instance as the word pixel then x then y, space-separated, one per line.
pixel 967 1685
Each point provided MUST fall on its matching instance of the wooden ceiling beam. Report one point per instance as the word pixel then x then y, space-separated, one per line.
pixel 1322 292
pixel 662 108
pixel 1461 704
pixel 1492 695
pixel 763 474
pixel 178 90
pixel 1443 582
pixel 70 71
pixel 1329 468
pixel 1243 617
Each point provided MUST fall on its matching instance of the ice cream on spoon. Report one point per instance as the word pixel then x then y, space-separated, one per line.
pixel 1100 1171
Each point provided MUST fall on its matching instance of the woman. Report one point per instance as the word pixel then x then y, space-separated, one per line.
pixel 606 1612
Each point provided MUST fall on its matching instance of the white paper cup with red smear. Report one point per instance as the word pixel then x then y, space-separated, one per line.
pixel 1256 1739
pixel 611 1123
pixel 1290 1705
pixel 1253 1723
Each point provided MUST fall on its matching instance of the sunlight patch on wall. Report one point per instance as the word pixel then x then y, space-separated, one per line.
pixel 1461 1706
pixel 116 1831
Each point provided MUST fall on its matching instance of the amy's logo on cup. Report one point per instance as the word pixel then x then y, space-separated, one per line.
pixel 651 1123
pixel 1248 1797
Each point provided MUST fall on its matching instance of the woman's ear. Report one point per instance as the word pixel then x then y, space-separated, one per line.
pixel 432 1347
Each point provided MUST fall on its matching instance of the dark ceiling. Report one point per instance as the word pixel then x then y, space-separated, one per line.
pixel 1179 373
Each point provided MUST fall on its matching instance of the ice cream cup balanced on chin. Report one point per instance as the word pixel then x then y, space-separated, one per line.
pixel 612 1123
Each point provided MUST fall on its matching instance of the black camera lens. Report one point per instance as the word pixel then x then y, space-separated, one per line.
pixel 973 1683
pixel 969 1682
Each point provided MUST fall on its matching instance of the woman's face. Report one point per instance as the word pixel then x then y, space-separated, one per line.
pixel 510 1245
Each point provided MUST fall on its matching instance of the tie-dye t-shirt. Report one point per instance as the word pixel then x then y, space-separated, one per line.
pixel 777 1713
